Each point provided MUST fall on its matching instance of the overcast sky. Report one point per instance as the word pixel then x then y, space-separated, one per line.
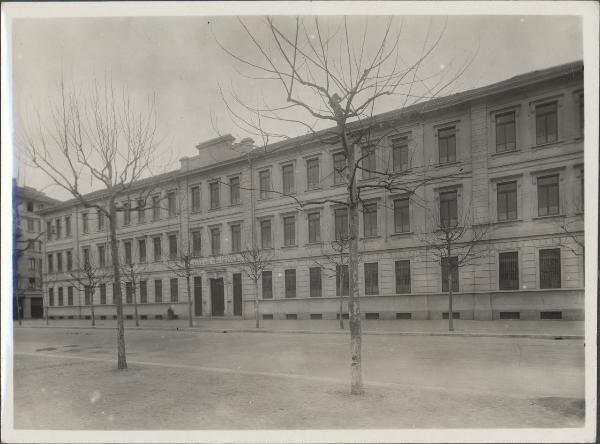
pixel 178 59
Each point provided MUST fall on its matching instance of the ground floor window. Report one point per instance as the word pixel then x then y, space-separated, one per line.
pixel 158 291
pixel 550 268
pixel 450 264
pixel 174 290
pixel 143 292
pixel 290 283
pixel 372 278
pixel 102 294
pixel 342 280
pixel 315 282
pixel 509 271
pixel 402 277
pixel 70 296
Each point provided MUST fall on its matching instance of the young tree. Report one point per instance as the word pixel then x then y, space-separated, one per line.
pixel 102 138
pixel 87 278
pixel 132 271
pixel 181 265
pixel 335 78
pixel 255 260
pixel 454 242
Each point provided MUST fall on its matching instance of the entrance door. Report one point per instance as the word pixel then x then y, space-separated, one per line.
pixel 37 308
pixel 217 297
pixel 237 294
pixel 198 296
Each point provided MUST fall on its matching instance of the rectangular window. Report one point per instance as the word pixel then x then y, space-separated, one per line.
pixel 289 231
pixel 448 209
pixel 402 277
pixel 143 292
pixel 341 223
pixel 157 248
pixel 265 234
pixel 174 284
pixel 287 173
pixel 30 207
pixel 401 216
pixel 61 301
pixel 315 282
pixel 372 278
pixel 142 250
pixel 267 284
pixel 447 144
pixel 68 226
pixel 100 217
pixel 86 257
pixel 195 198
pixel 314 227
pixel 447 265
pixel 546 123
pixel 70 294
pixel 87 295
pixel 368 162
pixel 32 264
pixel 505 132
pixel 101 256
pixel 69 260
pixel 59 262
pixel 339 168
pixel 508 270
pixel 141 211
pixel 290 283
pixel 172 246
pixel 215 241
pixel 215 198
pixel 50 263
pixel 507 201
pixel 126 213
pixel 264 180
pixel 30 225
pixel 370 219
pixel 128 255
pixel 196 243
pixel 114 293
pixel 84 222
pixel 128 293
pixel 156 207
pixel 234 191
pixel 58 228
pixel 236 238
pixel 172 203
pixel 31 283
pixel 49 230
pixel 158 290
pixel 51 296
pixel 400 154
pixel 550 268
pixel 548 195
pixel 102 288
pixel 312 174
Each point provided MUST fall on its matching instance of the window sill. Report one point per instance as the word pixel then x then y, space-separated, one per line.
pixel 338 185
pixel 233 205
pixel 505 153
pixel 314 244
pixel 195 211
pixel 308 190
pixel 214 209
pixel 508 221
pixel 448 164
pixel 546 145
pixel 553 216
pixel 402 234
pixel 289 246
pixel 366 238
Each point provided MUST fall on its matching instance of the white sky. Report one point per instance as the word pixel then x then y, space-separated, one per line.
pixel 178 59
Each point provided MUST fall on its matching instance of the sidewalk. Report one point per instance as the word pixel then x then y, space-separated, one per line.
pixel 500 328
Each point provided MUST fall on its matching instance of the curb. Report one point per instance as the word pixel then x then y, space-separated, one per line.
pixel 334 332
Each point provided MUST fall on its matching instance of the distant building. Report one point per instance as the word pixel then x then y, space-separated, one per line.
pixel 28 240
pixel 518 145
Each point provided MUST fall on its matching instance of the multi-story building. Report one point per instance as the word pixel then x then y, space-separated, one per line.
pixel 509 154
pixel 28 240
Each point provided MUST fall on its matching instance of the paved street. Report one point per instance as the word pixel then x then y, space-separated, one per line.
pixel 65 378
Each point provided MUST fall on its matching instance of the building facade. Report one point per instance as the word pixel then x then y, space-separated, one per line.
pixel 28 241
pixel 508 155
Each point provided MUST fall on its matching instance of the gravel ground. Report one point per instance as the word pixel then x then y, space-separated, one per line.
pixel 66 379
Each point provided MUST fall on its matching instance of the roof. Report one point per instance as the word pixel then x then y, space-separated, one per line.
pixel 31 193
pixel 519 81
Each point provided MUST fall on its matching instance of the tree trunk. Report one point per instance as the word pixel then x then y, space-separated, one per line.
pixel 92 309
pixel 356 382
pixel 189 295
pixel 341 293
pixel 135 307
pixel 46 312
pixel 256 314
pixel 450 314
pixel 121 359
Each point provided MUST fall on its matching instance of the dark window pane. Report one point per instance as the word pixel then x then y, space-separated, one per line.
pixel 550 268
pixel 402 277
pixel 267 285
pixel 509 271
pixel 371 278
pixel 290 283
pixel 447 265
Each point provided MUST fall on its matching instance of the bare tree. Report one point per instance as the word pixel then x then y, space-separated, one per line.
pixel 454 242
pixel 98 136
pixel 132 272
pixel 335 78
pixel 87 277
pixel 254 261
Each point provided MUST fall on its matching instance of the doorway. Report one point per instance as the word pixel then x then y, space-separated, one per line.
pixel 217 297
pixel 237 294
pixel 198 296
pixel 37 308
